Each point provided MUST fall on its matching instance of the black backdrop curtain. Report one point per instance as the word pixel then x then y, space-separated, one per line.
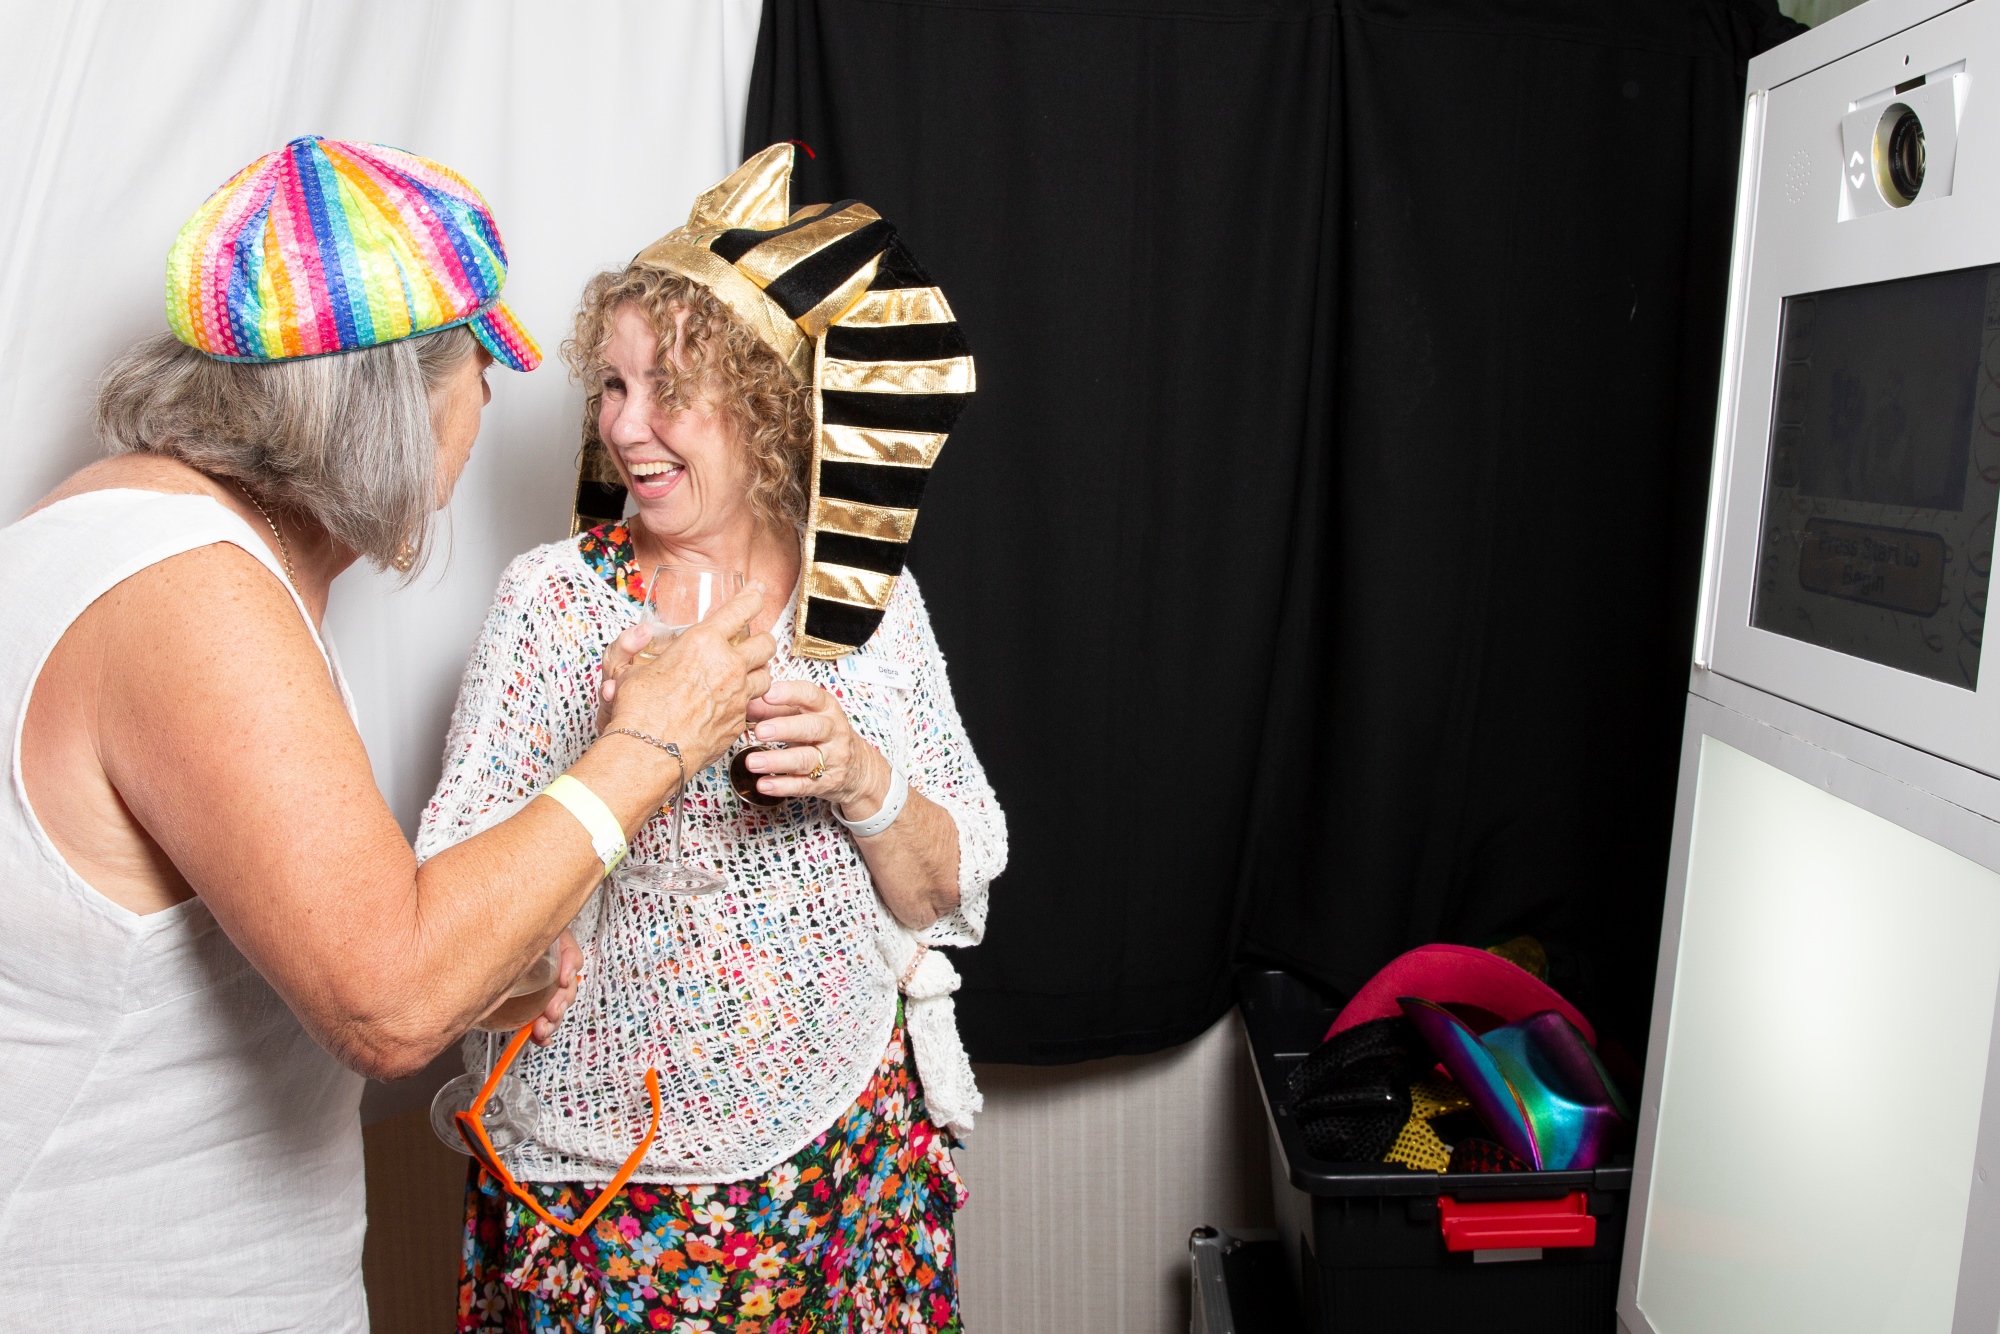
pixel 1316 561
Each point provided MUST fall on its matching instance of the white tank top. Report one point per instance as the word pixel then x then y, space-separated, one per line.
pixel 175 1153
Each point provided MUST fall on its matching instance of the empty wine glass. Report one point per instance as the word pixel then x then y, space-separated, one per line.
pixel 681 595
pixel 513 1112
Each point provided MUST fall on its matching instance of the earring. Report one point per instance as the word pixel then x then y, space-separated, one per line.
pixel 405 558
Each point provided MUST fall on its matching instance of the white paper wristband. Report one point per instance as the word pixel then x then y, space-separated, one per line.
pixel 892 806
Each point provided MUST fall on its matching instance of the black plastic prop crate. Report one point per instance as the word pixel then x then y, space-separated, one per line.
pixel 1369 1242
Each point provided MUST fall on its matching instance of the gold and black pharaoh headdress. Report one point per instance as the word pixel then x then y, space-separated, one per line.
pixel 834 292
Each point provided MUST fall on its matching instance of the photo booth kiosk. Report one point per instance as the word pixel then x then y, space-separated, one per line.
pixel 1819 1140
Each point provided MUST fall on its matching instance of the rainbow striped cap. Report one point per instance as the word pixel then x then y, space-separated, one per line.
pixel 327 246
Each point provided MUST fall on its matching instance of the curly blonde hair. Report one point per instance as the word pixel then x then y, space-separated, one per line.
pixel 713 358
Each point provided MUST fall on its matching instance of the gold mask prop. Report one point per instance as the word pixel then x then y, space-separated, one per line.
pixel 833 291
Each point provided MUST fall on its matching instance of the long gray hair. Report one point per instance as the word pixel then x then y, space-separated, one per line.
pixel 346 440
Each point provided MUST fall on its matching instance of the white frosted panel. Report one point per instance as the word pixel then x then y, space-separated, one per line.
pixel 1820 1098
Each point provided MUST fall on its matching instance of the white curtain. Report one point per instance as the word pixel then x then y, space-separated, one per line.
pixel 589 126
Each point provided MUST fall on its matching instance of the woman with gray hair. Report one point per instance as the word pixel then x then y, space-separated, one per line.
pixel 213 926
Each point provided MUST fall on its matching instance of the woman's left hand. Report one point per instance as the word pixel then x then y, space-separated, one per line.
pixel 569 970
pixel 914 862
pixel 544 1009
pixel 852 775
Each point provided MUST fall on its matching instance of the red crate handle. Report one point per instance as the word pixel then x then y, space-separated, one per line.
pixel 1494 1225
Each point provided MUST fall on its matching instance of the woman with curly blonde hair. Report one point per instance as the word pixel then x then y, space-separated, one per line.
pixel 799 1177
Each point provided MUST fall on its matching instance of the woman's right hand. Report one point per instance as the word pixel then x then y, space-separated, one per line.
pixel 697 692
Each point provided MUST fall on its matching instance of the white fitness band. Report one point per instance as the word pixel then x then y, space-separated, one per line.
pixel 892 806
pixel 607 836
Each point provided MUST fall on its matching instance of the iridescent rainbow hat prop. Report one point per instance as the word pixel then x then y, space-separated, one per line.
pixel 1536 1083
pixel 328 246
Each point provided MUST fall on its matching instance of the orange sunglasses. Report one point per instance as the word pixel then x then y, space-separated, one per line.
pixel 472 1128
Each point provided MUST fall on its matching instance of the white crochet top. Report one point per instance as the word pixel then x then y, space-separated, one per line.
pixel 764 1007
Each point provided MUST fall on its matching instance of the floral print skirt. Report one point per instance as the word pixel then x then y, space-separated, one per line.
pixel 852 1233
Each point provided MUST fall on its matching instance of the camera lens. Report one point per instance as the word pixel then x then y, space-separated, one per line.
pixel 1899 155
pixel 1906 156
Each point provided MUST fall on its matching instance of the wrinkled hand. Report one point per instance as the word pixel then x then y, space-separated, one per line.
pixel 510 1012
pixel 815 728
pixel 569 970
pixel 697 691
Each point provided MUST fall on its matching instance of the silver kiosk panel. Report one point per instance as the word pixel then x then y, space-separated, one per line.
pixel 1820 1128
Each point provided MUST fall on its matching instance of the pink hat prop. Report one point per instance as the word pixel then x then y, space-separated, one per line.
pixel 1472 983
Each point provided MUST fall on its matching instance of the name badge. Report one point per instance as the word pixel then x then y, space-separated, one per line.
pixel 875 671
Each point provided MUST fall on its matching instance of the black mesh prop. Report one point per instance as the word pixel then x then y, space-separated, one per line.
pixel 1352 1095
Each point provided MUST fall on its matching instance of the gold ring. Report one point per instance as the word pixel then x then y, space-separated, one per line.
pixel 819 768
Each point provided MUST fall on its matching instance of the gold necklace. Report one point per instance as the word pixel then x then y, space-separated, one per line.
pixel 284 551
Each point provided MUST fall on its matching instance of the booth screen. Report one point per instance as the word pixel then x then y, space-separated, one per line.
pixel 1883 471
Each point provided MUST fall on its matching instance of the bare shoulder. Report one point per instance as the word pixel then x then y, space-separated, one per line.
pixel 145 700
pixel 208 679
pixel 221 583
pixel 216 598
pixel 134 472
